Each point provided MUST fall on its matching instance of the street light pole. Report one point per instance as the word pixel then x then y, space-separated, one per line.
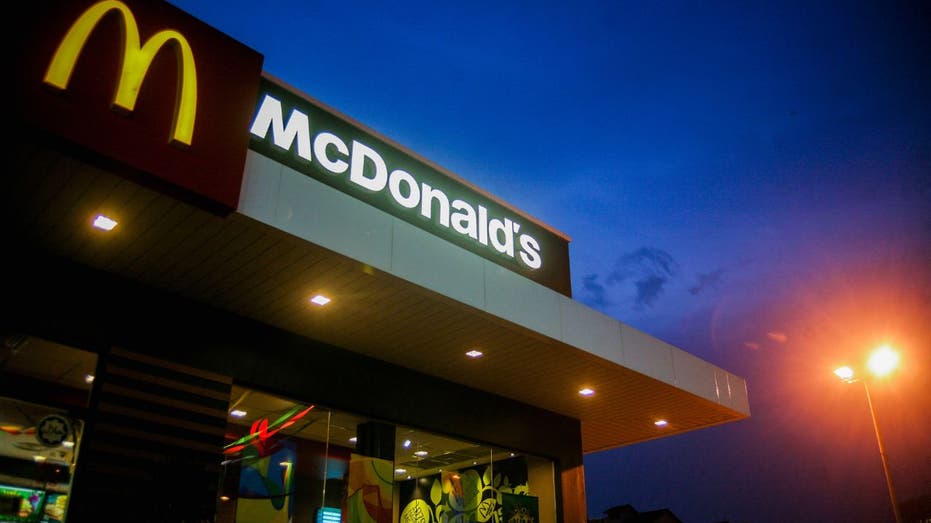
pixel 882 455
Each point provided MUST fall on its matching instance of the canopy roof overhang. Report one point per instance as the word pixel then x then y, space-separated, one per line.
pixel 265 261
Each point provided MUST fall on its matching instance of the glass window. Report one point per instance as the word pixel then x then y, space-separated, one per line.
pixel 287 460
pixel 44 387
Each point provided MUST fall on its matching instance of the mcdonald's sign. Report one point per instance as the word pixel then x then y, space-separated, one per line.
pixel 140 85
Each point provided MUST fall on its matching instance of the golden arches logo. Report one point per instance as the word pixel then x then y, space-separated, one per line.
pixel 136 61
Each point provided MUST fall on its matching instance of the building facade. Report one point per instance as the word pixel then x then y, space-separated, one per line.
pixel 227 301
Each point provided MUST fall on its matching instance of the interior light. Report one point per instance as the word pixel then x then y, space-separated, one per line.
pixel 236 413
pixel 353 439
pixel 67 444
pixel 285 463
pixel 661 423
pixel 406 444
pixel 224 498
pixel 474 353
pixel 88 378
pixel 320 300
pixel 400 471
pixel 587 391
pixel 104 223
pixel 421 453
pixel 38 458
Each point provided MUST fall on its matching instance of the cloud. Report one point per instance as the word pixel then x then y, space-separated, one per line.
pixel 711 279
pixel 644 271
pixel 649 268
pixel 781 337
pixel 644 262
pixel 595 292
pixel 648 289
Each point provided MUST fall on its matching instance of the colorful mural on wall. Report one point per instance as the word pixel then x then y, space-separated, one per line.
pixel 370 490
pixel 473 494
pixel 266 486
pixel 520 508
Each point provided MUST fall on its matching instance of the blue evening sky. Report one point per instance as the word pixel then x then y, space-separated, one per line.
pixel 750 181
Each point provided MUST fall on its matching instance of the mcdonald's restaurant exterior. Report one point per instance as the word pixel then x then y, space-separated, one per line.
pixel 226 301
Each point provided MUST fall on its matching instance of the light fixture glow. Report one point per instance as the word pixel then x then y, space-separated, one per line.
pixel 38 458
pixel 104 223
pixel 406 444
pixel 353 439
pixel 67 444
pixel 320 300
pixel 661 423
pixel 883 361
pixel 224 498
pixel 236 413
pixel 329 515
pixel 474 353
pixel 88 378
pixel 400 471
pixel 421 453
pixel 845 373
pixel 587 392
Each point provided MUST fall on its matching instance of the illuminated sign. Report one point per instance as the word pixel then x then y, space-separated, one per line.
pixel 261 431
pixel 136 60
pixel 53 430
pixel 142 89
pixel 327 147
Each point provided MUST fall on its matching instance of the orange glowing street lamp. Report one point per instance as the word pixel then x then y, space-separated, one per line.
pixel 882 362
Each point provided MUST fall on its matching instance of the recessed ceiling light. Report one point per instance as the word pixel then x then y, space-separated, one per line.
pixel 320 300
pixel 236 413
pixel 587 391
pixel 421 453
pixel 661 423
pixel 474 353
pixel 104 223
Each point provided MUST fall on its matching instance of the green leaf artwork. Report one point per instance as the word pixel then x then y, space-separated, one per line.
pixel 417 511
pixel 486 510
pixel 471 495
pixel 471 490
pixel 436 492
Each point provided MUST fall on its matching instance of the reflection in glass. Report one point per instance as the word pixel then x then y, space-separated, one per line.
pixel 287 460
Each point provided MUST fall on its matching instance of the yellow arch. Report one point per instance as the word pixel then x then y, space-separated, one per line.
pixel 136 61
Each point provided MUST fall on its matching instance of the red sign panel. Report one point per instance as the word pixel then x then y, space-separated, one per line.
pixel 141 83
